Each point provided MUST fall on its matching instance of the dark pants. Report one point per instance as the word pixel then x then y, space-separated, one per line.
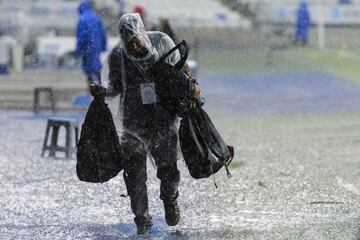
pixel 162 145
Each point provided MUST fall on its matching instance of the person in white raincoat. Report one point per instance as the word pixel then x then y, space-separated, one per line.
pixel 147 126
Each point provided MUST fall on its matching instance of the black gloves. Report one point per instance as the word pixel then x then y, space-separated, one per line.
pixel 97 90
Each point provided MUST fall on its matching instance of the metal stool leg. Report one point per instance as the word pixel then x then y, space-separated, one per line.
pixel 54 140
pixel 68 142
pixel 36 101
pixel 76 136
pixel 52 100
pixel 45 139
pixel 71 136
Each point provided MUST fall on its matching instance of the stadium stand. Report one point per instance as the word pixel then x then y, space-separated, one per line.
pixel 185 13
pixel 328 12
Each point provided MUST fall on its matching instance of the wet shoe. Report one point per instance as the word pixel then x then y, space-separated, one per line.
pixel 172 213
pixel 143 224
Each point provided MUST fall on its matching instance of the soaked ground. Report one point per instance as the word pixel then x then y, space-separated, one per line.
pixel 296 174
pixel 294 177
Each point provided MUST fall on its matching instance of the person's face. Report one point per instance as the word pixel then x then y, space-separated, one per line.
pixel 136 47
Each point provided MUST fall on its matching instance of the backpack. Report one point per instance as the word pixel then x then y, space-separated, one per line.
pixel 203 149
pixel 99 155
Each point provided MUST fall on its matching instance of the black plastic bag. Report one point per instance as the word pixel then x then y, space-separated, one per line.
pixel 203 149
pixel 99 155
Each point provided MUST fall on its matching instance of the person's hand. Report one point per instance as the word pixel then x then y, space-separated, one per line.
pixel 196 88
pixel 97 90
pixel 197 91
pixel 186 69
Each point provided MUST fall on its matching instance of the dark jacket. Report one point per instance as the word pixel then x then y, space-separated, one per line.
pixel 91 38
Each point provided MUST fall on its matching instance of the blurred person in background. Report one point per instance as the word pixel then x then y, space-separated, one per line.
pixel 4 54
pixel 303 24
pixel 148 125
pixel 165 27
pixel 91 41
pixel 149 26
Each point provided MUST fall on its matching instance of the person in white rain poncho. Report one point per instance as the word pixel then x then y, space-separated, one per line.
pixel 147 125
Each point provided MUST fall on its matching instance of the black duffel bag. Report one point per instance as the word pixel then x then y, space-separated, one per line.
pixel 203 149
pixel 99 155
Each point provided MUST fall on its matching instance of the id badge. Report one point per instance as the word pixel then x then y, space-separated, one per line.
pixel 148 93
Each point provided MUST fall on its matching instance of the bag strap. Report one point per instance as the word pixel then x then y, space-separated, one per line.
pixel 200 116
pixel 204 125
pixel 212 145
pixel 182 59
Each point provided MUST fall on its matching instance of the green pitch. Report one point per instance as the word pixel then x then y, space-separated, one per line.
pixel 344 63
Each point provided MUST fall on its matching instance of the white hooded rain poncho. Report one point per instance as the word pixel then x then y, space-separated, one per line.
pixel 118 75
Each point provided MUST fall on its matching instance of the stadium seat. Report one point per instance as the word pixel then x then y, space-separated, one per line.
pixel 71 127
pixel 200 13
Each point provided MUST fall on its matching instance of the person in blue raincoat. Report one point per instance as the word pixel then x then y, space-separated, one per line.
pixel 91 41
pixel 303 24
